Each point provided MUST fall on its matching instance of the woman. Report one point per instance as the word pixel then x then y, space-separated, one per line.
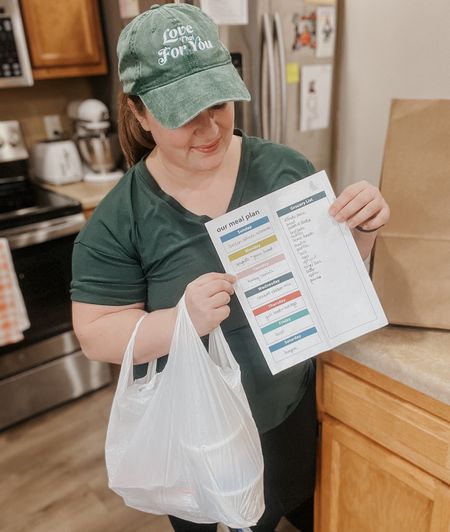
pixel 146 243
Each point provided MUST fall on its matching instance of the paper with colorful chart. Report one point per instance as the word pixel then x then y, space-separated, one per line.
pixel 300 278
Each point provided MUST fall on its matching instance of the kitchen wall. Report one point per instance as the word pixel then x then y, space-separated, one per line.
pixel 390 49
pixel 50 97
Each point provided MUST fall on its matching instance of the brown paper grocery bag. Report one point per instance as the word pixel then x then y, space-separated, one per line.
pixel 411 262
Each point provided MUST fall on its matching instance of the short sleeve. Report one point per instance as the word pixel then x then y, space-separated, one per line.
pixel 106 277
pixel 106 263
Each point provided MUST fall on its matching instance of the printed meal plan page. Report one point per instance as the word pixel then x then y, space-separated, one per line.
pixel 300 278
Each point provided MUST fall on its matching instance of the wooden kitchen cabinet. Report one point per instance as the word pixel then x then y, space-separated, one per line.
pixel 384 453
pixel 64 38
pixel 368 488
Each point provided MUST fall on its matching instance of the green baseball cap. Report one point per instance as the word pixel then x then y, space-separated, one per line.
pixel 171 57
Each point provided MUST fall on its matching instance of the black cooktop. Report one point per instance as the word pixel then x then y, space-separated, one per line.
pixel 23 202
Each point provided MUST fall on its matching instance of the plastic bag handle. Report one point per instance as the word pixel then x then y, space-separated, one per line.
pixel 219 350
pixel 126 371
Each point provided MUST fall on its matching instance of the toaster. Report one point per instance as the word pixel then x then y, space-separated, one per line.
pixel 56 162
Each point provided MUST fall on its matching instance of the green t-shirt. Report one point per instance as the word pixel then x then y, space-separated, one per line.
pixel 141 245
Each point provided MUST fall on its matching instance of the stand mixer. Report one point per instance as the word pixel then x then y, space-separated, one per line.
pixel 99 148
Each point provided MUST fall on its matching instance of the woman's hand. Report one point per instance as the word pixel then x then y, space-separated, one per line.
pixel 361 204
pixel 207 299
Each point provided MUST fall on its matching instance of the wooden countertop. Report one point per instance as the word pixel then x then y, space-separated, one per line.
pixel 414 356
pixel 87 193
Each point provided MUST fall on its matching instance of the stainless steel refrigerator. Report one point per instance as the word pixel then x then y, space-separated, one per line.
pixel 265 52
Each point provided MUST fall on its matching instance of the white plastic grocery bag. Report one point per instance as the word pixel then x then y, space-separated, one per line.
pixel 183 441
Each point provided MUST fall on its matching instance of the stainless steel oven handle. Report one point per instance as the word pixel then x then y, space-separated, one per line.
pixel 27 235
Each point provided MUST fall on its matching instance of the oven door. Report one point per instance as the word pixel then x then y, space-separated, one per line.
pixel 47 367
pixel 42 255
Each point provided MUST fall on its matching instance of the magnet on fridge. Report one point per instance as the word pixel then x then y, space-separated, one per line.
pixel 292 73
pixel 326 31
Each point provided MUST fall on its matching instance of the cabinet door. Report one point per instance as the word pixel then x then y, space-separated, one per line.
pixel 366 488
pixel 64 38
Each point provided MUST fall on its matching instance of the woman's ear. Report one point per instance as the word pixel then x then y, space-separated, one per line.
pixel 141 118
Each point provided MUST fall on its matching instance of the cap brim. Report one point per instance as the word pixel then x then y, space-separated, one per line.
pixel 179 102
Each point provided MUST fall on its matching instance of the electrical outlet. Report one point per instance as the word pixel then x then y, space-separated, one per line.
pixel 53 127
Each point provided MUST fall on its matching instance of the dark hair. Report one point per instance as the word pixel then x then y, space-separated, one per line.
pixel 134 140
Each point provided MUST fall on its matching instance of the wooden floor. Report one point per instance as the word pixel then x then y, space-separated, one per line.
pixel 52 475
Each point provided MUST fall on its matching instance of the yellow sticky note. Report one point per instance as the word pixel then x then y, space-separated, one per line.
pixel 292 73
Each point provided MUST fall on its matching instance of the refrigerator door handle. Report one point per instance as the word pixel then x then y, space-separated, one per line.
pixel 283 86
pixel 268 40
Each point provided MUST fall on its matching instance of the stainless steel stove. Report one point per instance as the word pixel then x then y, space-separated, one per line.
pixel 47 367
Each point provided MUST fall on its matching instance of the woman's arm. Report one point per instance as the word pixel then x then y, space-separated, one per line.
pixel 361 205
pixel 104 331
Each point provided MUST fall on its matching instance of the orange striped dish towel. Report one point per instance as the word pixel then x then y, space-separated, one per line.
pixel 13 313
